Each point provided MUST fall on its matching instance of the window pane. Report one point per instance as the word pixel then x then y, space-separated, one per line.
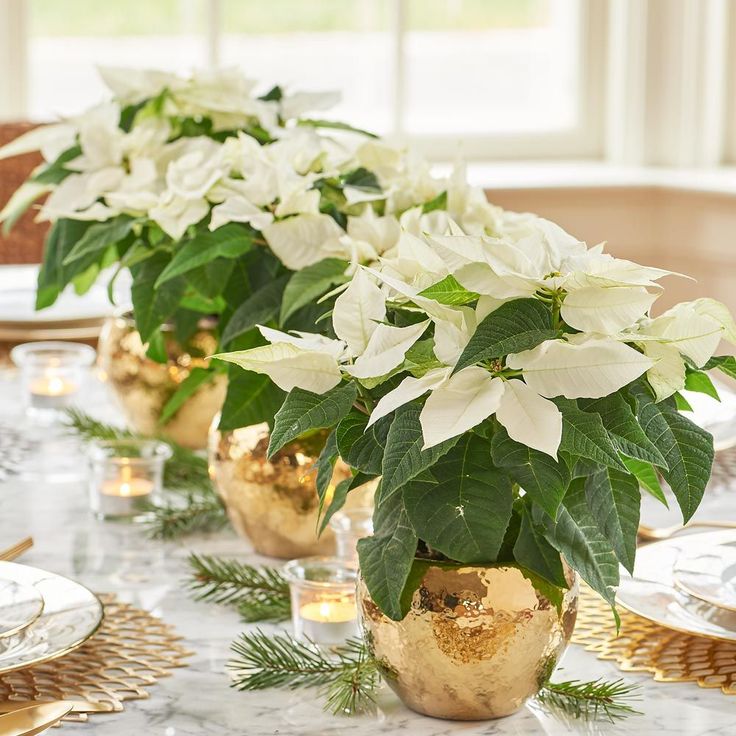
pixel 319 45
pixel 69 39
pixel 491 66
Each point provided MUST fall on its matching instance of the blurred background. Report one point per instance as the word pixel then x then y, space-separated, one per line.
pixel 617 118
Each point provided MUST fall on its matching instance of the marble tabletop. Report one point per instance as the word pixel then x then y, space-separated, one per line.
pixel 198 699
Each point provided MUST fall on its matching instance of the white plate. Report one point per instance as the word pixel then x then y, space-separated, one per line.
pixel 652 594
pixel 70 616
pixel 717 417
pixel 709 575
pixel 20 606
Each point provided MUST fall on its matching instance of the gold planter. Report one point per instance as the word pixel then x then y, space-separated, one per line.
pixel 143 386
pixel 274 502
pixel 475 644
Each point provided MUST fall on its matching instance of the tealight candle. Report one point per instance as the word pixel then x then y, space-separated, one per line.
pixel 323 606
pixel 126 477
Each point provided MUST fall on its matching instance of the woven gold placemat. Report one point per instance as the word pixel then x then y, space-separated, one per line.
pixel 643 646
pixel 129 653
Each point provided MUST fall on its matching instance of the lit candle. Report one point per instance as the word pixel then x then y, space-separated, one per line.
pixel 51 391
pixel 126 495
pixel 330 621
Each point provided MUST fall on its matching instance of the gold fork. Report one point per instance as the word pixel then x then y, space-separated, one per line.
pixel 655 533
pixel 17 549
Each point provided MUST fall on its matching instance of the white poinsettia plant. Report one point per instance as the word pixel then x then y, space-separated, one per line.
pixel 212 194
pixel 513 393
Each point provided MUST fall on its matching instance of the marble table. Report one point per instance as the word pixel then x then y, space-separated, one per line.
pixel 198 699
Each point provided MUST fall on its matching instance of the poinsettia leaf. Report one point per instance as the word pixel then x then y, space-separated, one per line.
pixel 449 291
pixel 303 410
pixel 681 403
pixel 99 237
pixel 310 283
pixel 724 363
pixel 614 500
pixel 229 241
pixel 647 477
pixel 325 466
pixel 404 457
pixel 363 448
pixel 258 308
pixel 545 480
pixel 251 398
pixel 517 325
pixel 584 435
pixel 461 506
pixel 340 496
pixel 187 388
pixel 686 447
pixel 623 428
pixel 436 203
pixel 576 535
pixel 387 557
pixel 701 383
pixel 534 552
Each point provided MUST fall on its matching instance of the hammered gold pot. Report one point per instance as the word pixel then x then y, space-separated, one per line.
pixel 274 503
pixel 476 643
pixel 143 386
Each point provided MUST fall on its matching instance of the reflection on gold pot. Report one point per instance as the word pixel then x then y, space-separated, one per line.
pixel 143 386
pixel 475 644
pixel 274 502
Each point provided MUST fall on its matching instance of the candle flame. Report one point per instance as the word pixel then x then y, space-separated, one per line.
pixel 126 475
pixel 324 610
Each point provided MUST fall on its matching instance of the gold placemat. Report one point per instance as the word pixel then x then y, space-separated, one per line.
pixel 130 652
pixel 643 646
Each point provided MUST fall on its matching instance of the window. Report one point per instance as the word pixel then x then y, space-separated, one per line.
pixel 510 78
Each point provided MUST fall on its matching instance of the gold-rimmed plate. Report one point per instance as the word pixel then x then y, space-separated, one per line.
pixel 709 574
pixel 70 616
pixel 20 605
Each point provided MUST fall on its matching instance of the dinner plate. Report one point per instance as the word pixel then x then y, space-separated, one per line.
pixel 70 616
pixel 20 605
pixel 709 574
pixel 717 417
pixel 653 595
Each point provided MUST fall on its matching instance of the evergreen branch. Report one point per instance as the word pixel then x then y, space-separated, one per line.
pixel 196 514
pixel 90 429
pixel 260 594
pixel 610 700
pixel 347 677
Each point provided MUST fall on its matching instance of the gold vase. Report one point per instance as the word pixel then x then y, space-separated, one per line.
pixel 143 386
pixel 475 644
pixel 274 503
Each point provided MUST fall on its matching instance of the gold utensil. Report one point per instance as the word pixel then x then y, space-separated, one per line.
pixel 654 533
pixel 77 706
pixel 33 720
pixel 17 549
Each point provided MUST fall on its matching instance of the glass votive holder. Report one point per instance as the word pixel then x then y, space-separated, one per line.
pixel 349 526
pixel 126 477
pixel 51 375
pixel 323 607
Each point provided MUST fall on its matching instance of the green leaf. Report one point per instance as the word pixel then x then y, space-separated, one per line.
pixel 56 171
pixel 362 179
pixel 584 435
pixel 647 477
pixel 325 467
pixel 404 457
pixel 545 480
pixel 577 537
pixel 187 388
pixel 520 324
pixel 304 410
pixel 99 237
pixel 307 285
pixel 700 382
pixel 681 403
pixel 725 363
pixel 614 500
pixel 534 552
pixel 623 428
pixel 210 279
pixel 258 308
pixel 228 241
pixel 449 291
pixel 461 506
pixel 335 125
pixel 342 489
pixel 251 399
pixel 437 203
pixel 387 557
pixel 687 448
pixel 153 305
pixel 360 447
pixel 420 358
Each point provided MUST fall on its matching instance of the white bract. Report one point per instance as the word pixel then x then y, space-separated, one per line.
pixel 442 287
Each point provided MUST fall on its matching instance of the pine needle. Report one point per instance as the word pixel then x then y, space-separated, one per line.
pixel 195 513
pixel 598 699
pixel 260 594
pixel 347 676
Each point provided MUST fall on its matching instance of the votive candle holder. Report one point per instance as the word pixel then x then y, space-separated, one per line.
pixel 349 526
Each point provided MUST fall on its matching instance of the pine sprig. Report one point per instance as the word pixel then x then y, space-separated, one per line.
pixel 347 676
pixel 260 594
pixel 194 513
pixel 598 699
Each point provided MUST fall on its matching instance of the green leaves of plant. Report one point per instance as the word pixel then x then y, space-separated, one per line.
pixel 99 237
pixel 251 399
pixel 520 324
pixel 700 382
pixel 307 285
pixel 461 506
pixel 258 308
pixel 533 551
pixel 725 363
pixel 362 447
pixel 304 410
pixel 449 291
pixel 188 387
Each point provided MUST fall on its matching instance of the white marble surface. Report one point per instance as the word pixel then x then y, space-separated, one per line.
pixel 197 699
